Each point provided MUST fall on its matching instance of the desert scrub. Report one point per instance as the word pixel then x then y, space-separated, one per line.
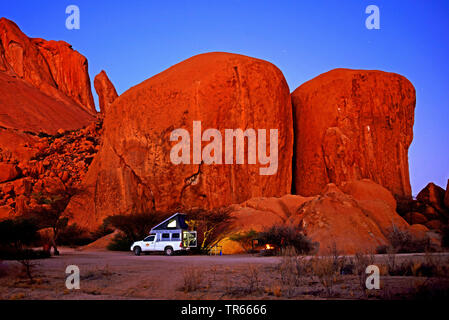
pixel 252 280
pixel 401 241
pixel 361 262
pixel 192 279
pixel 432 266
pixel 98 274
pixel 292 270
pixel 323 268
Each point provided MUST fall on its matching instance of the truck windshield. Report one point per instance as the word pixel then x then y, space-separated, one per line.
pixel 149 239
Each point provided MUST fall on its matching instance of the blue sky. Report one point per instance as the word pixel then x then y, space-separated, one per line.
pixel 136 39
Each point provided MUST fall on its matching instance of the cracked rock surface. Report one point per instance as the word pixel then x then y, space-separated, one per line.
pixel 352 125
pixel 133 172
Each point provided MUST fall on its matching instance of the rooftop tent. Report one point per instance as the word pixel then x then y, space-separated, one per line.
pixel 176 221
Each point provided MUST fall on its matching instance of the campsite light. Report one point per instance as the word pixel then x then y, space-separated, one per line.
pixel 269 247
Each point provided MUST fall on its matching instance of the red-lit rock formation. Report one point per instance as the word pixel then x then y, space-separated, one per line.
pixel 105 90
pixel 356 217
pixel 353 124
pixel 25 108
pixel 52 67
pixel 55 163
pixel 133 171
pixel 433 195
pixel 446 195
pixel 70 71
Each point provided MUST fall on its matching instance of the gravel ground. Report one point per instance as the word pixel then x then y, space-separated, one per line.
pixel 121 275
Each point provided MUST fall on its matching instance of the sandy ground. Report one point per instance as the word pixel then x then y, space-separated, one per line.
pixel 121 275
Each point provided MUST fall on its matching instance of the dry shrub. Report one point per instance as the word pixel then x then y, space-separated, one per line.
pixel 402 241
pixel 227 283
pixel 324 269
pixel 98 274
pixel 252 279
pixel 339 261
pixel 431 289
pixel 290 270
pixel 361 262
pixel 327 269
pixel 192 279
pixel 274 291
pixel 432 266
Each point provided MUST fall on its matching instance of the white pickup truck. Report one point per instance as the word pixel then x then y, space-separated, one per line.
pixel 167 242
pixel 169 237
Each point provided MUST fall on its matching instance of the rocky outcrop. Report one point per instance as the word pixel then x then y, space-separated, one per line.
pixel 59 162
pixel 446 195
pixel 8 172
pixel 69 70
pixel 134 172
pixel 433 195
pixel 105 90
pixel 356 217
pixel 45 104
pixel 25 108
pixel 258 214
pixel 430 204
pixel 52 67
pixel 415 218
pixel 350 125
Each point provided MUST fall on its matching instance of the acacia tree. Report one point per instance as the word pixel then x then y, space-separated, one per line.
pixel 245 239
pixel 211 225
pixel 50 212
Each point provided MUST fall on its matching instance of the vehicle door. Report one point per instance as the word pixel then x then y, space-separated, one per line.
pixel 149 243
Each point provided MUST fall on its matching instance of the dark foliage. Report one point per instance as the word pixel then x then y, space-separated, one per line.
pixel 18 233
pixel 120 243
pixel 51 215
pixel 134 227
pixel 283 236
pixel 74 236
pixel 401 241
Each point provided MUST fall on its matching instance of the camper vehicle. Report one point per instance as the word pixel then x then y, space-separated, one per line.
pixel 170 236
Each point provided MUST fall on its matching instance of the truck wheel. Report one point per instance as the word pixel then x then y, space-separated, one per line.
pixel 168 251
pixel 137 251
